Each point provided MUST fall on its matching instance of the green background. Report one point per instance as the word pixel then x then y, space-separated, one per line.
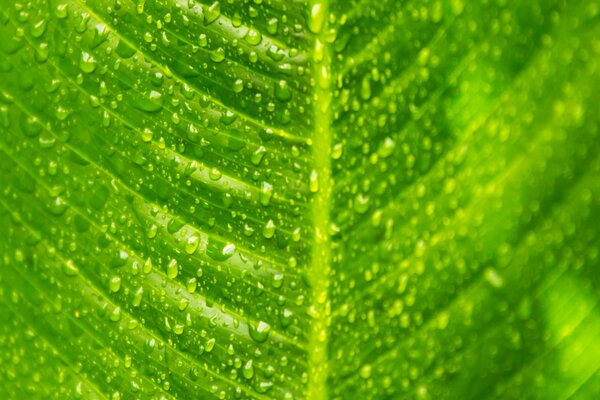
pixel 284 199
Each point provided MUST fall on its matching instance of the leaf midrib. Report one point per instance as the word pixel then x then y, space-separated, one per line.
pixel 320 267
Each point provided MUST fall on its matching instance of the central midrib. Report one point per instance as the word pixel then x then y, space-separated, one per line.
pixel 320 184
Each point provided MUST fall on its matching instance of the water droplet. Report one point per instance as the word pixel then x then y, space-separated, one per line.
pixel 202 40
pixel 253 37
pixel 87 63
pixel 115 284
pixel 210 345
pixel 266 193
pixel 365 88
pixel 137 297
pixel 147 266
pixel 365 371
pixel 191 285
pixel 38 29
pixel 248 370
pixel 212 13
pixel 361 203
pixel 316 17
pixel 100 35
pixel 69 268
pixel 269 229
pixel 282 90
pixel 260 332
pixel 238 86
pixel 258 155
pixel 183 304
pixel 285 318
pixel 493 278
pixel 218 253
pixel 194 374
pixel 61 11
pixel 228 118
pixel 58 207
pixel 337 151
pixel 217 55
pixel 123 50
pixel 314 181
pixel 115 314
pixel 172 269
pixel 178 329
pixel 147 135
pixel 214 174
pixel 119 259
pixel 149 345
pixel 277 281
pixel 275 53
pixel 192 244
pixel 150 103
pixel 272 26
pixel 29 125
pixel 386 148
pixel 61 113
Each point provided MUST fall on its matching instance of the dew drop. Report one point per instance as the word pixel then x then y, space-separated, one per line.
pixel 192 244
pixel 212 13
pixel 337 151
pixel 266 193
pixel 70 269
pixel 277 281
pixel 147 135
pixel 361 203
pixel 365 88
pixel 282 90
pixel 386 148
pixel 61 11
pixel 269 229
pixel 238 86
pixel 218 253
pixel 150 103
pixel 248 370
pixel 115 284
pixel 314 181
pixel 178 329
pixel 253 37
pixel 228 117
pixel 191 285
pixel 210 345
pixel 183 304
pixel 137 297
pixel 217 55
pixel 316 17
pixel 30 126
pixel 38 29
pixel 365 371
pixel 259 333
pixel 172 269
pixel 58 207
pixel 115 314
pixel 272 26
pixel 258 155
pixel 87 63
pixel 147 266
pixel 493 278
pixel 285 318
pixel 214 174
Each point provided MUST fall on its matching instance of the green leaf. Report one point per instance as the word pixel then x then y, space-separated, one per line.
pixel 276 199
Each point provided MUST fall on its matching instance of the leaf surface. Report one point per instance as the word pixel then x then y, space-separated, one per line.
pixel 277 199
